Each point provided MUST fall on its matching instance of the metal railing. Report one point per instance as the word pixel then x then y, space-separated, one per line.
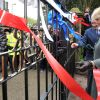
pixel 29 60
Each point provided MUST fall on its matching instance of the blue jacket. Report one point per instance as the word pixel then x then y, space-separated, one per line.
pixel 88 41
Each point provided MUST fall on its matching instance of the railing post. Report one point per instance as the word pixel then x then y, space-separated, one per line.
pixel 38 76
pixel 3 4
pixel 38 67
pixel 4 76
pixel 26 71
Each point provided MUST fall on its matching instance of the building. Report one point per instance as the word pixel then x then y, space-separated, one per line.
pixel 3 4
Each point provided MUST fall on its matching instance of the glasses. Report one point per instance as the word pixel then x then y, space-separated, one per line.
pixel 97 19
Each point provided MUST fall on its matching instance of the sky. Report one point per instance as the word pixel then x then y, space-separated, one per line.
pixel 17 8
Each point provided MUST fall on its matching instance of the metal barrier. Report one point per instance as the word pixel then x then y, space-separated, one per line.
pixel 30 60
pixel 64 55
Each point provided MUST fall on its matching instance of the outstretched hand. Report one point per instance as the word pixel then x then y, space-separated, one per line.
pixel 74 45
pixel 84 65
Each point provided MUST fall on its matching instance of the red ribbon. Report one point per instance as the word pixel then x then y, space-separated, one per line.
pixel 62 74
pixel 80 20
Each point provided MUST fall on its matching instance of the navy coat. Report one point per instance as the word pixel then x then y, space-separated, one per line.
pixel 88 41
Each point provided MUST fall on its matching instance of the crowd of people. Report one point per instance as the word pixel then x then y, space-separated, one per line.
pixel 11 41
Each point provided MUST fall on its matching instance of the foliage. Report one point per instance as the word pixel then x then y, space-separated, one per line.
pixel 82 4
pixel 31 21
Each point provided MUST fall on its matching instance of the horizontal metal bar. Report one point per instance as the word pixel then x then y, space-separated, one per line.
pixel 23 69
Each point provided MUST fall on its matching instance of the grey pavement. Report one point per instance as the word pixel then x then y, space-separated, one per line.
pixel 16 86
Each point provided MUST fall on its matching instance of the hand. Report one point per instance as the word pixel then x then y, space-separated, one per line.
pixel 78 33
pixel 85 14
pixel 74 45
pixel 84 65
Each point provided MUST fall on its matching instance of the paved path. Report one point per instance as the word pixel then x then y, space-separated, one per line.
pixel 16 86
pixel 81 79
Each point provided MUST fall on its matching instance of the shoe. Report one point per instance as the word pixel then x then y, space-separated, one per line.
pixel 41 70
pixel 1 79
pixel 13 74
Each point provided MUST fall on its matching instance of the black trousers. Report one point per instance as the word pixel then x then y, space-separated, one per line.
pixel 89 81
pixel 10 57
pixel 43 64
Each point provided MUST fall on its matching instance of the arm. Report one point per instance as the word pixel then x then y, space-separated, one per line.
pixel 97 54
pixel 86 65
pixel 81 43
pixel 96 63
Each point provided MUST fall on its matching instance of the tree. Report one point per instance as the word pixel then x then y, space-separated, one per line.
pixel 31 22
pixel 82 4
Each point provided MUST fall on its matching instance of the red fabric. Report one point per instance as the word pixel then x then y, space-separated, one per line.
pixel 0 12
pixel 13 21
pixel 96 73
pixel 63 75
pixel 80 20
pixel 24 20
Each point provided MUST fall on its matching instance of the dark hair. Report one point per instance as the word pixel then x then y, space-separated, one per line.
pixel 8 30
pixel 1 30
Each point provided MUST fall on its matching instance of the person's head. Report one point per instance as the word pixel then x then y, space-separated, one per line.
pixel 87 10
pixel 50 28
pixel 95 17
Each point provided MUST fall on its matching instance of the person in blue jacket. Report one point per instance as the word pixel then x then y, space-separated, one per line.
pixel 94 64
pixel 88 41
